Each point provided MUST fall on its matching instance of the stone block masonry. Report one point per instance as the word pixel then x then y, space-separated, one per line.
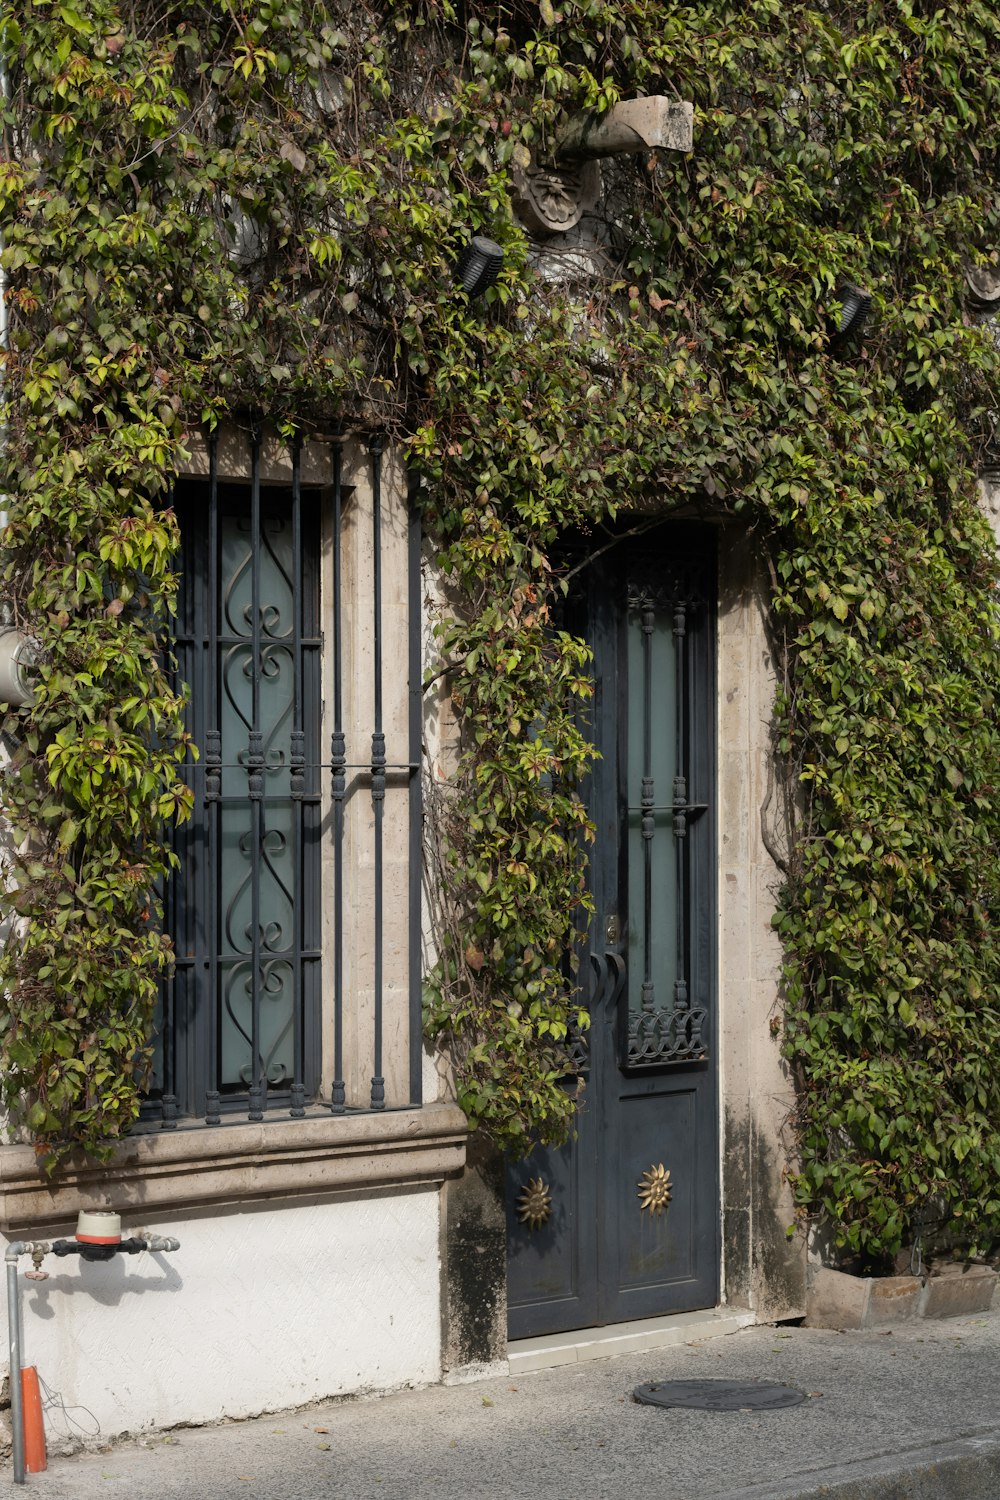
pixel 837 1300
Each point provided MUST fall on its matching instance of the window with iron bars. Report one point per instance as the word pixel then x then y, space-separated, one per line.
pixel 295 906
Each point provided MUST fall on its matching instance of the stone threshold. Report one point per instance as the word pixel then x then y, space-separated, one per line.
pixel 550 1350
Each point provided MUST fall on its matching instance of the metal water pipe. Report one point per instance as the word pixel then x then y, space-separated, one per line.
pixel 87 1249
pixel 15 1250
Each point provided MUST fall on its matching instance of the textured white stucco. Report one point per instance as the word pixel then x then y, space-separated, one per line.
pixel 258 1310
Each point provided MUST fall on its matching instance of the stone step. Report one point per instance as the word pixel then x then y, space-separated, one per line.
pixel 581 1344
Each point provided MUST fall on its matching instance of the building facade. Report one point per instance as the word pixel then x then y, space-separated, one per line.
pixel 333 1236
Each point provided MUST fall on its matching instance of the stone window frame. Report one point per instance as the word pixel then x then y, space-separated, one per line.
pixel 407 1144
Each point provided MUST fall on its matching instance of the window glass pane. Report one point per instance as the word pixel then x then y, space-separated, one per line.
pixel 271 867
pixel 276 877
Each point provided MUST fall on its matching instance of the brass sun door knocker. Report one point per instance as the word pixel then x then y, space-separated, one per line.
pixel 534 1203
pixel 655 1189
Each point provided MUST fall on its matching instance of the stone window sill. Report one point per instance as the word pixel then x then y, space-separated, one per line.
pixel 199 1166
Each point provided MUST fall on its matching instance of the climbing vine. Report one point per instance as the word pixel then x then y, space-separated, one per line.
pixel 212 208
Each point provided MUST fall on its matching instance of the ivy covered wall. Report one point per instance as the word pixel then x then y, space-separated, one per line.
pixel 214 208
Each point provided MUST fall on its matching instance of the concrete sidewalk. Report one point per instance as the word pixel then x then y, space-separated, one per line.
pixel 912 1413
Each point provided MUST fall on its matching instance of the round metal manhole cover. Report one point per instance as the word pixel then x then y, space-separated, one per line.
pixel 719 1395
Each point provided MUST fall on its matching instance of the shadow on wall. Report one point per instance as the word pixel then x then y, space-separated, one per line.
pixel 107 1283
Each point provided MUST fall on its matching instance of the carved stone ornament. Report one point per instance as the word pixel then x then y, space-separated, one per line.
pixel 654 1189
pixel 534 1203
pixel 983 283
pixel 552 200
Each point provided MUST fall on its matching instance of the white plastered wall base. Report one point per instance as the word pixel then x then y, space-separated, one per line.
pixel 257 1311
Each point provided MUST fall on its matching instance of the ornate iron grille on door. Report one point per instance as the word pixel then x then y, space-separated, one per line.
pixel 662 1022
pixel 241 1022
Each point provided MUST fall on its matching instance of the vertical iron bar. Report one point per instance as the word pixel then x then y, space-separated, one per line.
pixel 338 758
pixel 213 790
pixel 680 802
pixel 255 778
pixel 311 893
pixel 312 701
pixel 378 764
pixel 648 801
pixel 168 990
pixel 296 789
pixel 415 793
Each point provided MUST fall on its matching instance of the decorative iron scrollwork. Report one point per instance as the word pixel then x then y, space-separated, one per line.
pixel 655 1189
pixel 577 1048
pixel 677 590
pixel 655 1038
pixel 534 1203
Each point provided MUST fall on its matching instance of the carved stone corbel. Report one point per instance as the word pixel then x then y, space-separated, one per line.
pixel 655 123
pixel 552 197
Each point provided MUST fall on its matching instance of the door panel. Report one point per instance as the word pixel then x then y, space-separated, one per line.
pixel 615 1238
pixel 553 1275
pixel 659 1247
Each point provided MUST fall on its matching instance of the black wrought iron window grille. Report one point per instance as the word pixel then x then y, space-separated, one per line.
pixel 263 636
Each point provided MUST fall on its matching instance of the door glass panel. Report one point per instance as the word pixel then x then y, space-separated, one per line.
pixel 663 1023
pixel 651 760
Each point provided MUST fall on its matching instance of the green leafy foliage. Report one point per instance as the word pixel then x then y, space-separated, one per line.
pixel 214 209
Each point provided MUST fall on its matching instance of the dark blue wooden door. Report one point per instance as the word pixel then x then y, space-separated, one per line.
pixel 623 1221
